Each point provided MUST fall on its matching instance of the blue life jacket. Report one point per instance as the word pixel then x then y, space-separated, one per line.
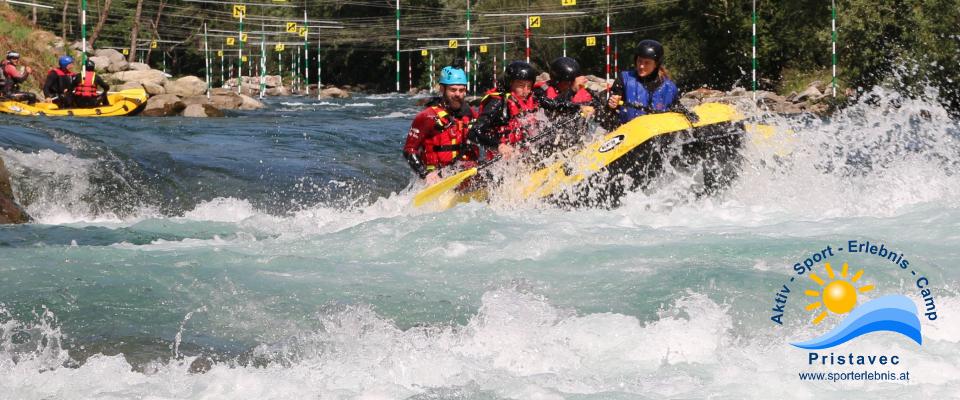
pixel 635 94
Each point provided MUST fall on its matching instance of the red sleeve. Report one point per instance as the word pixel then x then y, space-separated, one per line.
pixel 11 71
pixel 419 129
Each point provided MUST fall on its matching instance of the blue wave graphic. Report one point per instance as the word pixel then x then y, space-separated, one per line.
pixel 895 313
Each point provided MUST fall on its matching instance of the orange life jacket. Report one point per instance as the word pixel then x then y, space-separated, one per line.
pixel 520 115
pixel 88 86
pixel 449 143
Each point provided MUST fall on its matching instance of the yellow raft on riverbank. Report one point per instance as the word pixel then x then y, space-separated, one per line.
pixel 125 102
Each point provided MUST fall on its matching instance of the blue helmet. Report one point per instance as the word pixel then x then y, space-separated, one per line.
pixel 453 76
pixel 65 60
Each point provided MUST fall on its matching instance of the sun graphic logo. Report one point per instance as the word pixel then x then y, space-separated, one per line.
pixel 892 313
pixel 839 296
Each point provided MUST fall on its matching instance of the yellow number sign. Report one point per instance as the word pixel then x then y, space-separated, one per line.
pixel 239 11
pixel 244 59
pixel 291 27
pixel 534 21
pixel 483 48
pixel 153 44
pixel 453 44
pixel 591 41
pixel 566 3
pixel 303 31
pixel 126 52
pixel 278 47
pixel 219 53
pixel 243 37
pixel 231 41
pixel 424 52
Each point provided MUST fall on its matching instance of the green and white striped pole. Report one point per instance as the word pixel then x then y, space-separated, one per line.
pixel 754 40
pixel 833 39
pixel 263 62
pixel 306 54
pixel 319 80
pixel 206 57
pixel 240 56
pixel 83 33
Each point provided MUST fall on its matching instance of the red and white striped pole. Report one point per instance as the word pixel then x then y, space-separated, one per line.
pixel 608 47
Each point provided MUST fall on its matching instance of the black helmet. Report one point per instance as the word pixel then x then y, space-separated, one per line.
pixel 520 71
pixel 651 49
pixel 564 69
pixel 90 65
pixel 12 55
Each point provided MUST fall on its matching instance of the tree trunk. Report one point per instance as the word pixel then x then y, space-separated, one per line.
pixel 100 21
pixel 156 23
pixel 134 31
pixel 34 21
pixel 63 24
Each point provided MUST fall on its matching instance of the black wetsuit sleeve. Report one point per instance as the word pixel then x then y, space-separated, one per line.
pixel 48 85
pixel 561 104
pixel 484 129
pixel 101 83
pixel 618 87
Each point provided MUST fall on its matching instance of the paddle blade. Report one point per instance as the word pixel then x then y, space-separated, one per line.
pixel 447 184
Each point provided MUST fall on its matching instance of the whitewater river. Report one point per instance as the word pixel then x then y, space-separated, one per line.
pixel 275 255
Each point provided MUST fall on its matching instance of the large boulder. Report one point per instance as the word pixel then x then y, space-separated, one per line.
pixel 335 93
pixel 149 76
pixel 278 91
pixel 153 89
pixel 810 94
pixel 201 111
pixel 111 54
pixel 226 101
pixel 164 105
pixel 117 66
pixel 186 86
pixel 249 103
pixel 136 66
pixel 102 63
pixel 272 81
pixel 127 86
pixel 10 211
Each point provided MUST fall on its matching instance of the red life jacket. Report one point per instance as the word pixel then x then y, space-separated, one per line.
pixel 88 86
pixel 61 73
pixel 448 142
pixel 519 113
pixel 581 97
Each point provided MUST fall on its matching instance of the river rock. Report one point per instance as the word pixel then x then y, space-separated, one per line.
pixel 153 89
pixel 279 91
pixel 102 63
pixel 136 66
pixel 118 66
pixel 272 81
pixel 186 86
pixel 201 111
pixel 249 103
pixel 226 101
pixel 127 86
pixel 164 105
pixel 334 92
pixel 810 94
pixel 10 211
pixel 149 76
pixel 111 54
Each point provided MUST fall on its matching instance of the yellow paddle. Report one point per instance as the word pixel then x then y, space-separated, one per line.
pixel 449 183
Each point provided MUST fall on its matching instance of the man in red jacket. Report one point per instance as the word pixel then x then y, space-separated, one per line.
pixel 438 135
pixel 12 78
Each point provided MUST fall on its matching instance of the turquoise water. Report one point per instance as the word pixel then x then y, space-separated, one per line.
pixel 278 251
